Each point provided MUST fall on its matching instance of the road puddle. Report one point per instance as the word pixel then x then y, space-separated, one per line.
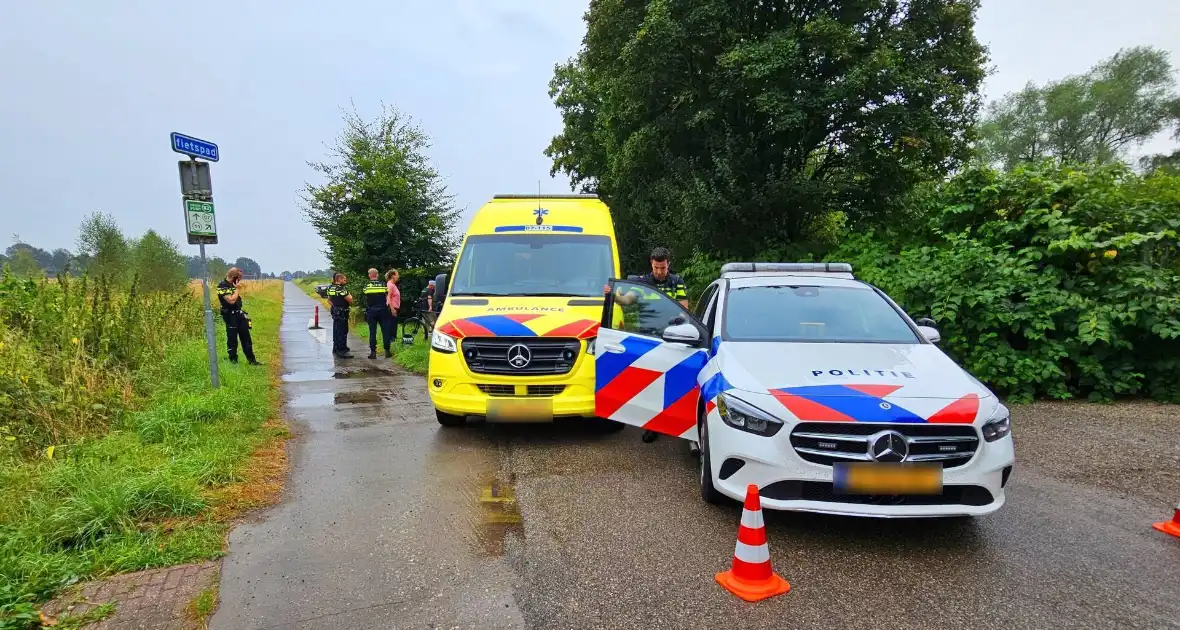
pixel 363 373
pixel 321 399
pixel 499 516
pixel 306 376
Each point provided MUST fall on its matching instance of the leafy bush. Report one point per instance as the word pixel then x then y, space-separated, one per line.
pixel 68 349
pixel 1048 280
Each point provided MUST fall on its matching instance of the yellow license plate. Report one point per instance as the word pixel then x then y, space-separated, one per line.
pixel 522 410
pixel 879 478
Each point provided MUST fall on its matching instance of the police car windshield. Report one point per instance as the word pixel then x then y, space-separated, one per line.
pixel 822 314
pixel 538 265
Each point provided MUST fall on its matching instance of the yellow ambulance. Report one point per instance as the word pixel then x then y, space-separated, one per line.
pixel 514 340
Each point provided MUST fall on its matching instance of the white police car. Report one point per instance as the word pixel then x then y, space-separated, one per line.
pixel 810 384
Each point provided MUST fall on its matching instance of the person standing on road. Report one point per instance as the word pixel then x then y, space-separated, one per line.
pixel 393 296
pixel 663 280
pixel 237 323
pixel 341 301
pixel 377 314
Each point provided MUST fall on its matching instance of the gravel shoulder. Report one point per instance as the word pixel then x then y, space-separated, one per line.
pixel 1129 448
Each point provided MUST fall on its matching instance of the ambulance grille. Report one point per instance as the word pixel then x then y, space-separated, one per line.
pixel 547 355
pixel 533 391
pixel 829 442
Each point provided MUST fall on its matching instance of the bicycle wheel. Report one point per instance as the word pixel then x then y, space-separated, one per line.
pixel 427 327
pixel 410 328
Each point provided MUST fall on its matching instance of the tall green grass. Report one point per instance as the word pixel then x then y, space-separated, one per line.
pixel 139 496
pixel 69 349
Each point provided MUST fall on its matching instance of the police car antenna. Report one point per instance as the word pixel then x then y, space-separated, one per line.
pixel 539 213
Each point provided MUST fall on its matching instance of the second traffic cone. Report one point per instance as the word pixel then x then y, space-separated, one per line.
pixel 751 577
pixel 1170 527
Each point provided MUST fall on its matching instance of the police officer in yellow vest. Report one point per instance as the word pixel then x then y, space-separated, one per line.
pixel 341 301
pixel 377 314
pixel 661 279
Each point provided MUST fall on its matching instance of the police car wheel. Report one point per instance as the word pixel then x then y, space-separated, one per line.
pixel 708 492
pixel 450 419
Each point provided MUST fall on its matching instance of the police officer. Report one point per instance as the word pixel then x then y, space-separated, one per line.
pixel 237 324
pixel 660 278
pixel 341 301
pixel 377 314
pixel 663 280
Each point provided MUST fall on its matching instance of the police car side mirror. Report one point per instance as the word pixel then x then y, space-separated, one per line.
pixel 926 321
pixel 682 333
pixel 930 333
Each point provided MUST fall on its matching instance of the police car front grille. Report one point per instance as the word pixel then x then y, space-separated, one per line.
pixel 549 355
pixel 829 442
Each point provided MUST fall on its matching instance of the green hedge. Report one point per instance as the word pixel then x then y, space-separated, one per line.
pixel 1048 280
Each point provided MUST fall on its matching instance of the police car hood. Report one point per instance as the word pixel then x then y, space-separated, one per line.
pixel 865 382
pixel 520 317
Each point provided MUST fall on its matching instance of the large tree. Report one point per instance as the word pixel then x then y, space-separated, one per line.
pixel 103 247
pixel 383 204
pixel 159 263
pixel 735 125
pixel 249 267
pixel 1095 117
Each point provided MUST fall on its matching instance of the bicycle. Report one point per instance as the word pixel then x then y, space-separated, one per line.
pixel 420 320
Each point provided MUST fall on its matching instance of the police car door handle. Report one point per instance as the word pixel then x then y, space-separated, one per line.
pixel 614 347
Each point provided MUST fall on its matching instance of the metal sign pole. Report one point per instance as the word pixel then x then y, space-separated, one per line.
pixel 209 337
pixel 201 225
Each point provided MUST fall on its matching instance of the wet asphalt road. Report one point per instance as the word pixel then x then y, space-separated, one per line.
pixel 390 521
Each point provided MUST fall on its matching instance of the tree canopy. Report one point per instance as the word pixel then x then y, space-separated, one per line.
pixel 1095 117
pixel 383 204
pixel 762 117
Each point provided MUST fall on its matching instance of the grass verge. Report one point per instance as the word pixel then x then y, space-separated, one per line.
pixel 414 357
pixel 162 487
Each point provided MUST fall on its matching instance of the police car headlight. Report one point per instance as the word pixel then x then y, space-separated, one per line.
pixel 743 416
pixel 443 343
pixel 1000 425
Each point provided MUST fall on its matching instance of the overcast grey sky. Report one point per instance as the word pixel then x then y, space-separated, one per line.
pixel 89 93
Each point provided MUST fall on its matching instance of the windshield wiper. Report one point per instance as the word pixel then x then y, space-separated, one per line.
pixel 477 294
pixel 551 295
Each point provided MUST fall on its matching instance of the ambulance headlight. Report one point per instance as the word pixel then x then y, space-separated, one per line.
pixel 999 426
pixel 443 343
pixel 590 346
pixel 743 416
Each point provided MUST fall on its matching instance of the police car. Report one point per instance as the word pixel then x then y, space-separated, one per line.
pixel 810 384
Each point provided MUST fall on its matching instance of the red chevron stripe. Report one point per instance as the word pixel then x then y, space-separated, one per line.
pixel 962 411
pixel 622 389
pixel 521 318
pixel 470 329
pixel 808 410
pixel 449 330
pixel 581 329
pixel 679 417
pixel 876 391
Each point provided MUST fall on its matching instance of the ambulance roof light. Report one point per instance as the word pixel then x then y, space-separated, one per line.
pixel 546 196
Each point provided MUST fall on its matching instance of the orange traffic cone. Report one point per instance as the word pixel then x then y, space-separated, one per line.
pixel 1170 527
pixel 751 577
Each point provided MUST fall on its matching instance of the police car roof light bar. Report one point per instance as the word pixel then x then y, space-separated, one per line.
pixel 768 268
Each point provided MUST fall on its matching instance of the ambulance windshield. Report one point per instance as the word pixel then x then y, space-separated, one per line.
pixel 539 265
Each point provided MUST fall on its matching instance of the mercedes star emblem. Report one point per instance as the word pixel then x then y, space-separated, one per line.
pixel 519 356
pixel 889 446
